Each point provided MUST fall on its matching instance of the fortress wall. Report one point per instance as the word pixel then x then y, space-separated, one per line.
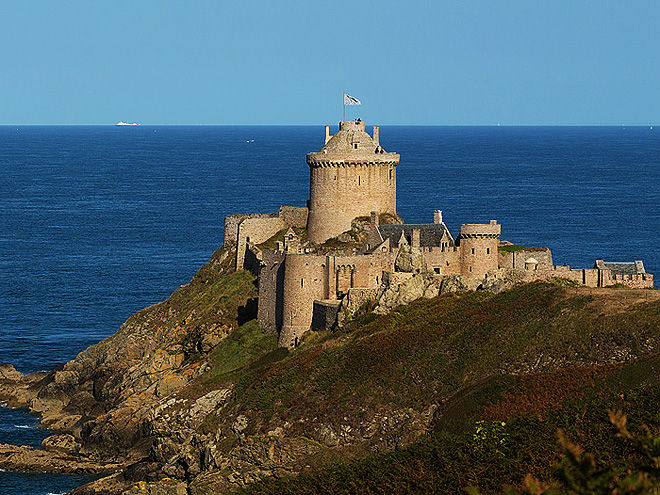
pixel 294 216
pixel 443 261
pixel 303 284
pixel 256 230
pixel 640 281
pixel 341 192
pixel 591 277
pixel 363 271
pixel 271 291
pixel 517 259
pixel 231 228
pixel 324 314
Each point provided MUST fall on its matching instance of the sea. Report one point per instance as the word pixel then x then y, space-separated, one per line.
pixel 98 222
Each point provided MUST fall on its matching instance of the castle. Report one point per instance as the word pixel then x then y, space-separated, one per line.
pixel 348 242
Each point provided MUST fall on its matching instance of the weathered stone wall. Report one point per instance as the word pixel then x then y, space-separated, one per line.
pixel 304 283
pixel 271 291
pixel 324 314
pixel 363 271
pixel 517 259
pixel 231 228
pixel 256 230
pixel 443 260
pixel 294 216
pixel 639 281
pixel 591 277
pixel 340 192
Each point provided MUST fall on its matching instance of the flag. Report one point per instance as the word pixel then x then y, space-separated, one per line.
pixel 349 100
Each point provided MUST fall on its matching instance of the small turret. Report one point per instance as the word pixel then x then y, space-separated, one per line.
pixel 478 246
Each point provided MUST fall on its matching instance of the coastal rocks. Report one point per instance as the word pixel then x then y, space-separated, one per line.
pixel 239 425
pixel 357 301
pixel 397 291
pixel 453 283
pixel 63 443
pixel 410 260
pixel 29 459
pixel 166 486
pixel 9 373
pixel 261 457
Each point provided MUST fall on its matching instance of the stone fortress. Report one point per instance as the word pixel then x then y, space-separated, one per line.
pixel 348 248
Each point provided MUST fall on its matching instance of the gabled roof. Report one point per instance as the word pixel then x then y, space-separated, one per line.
pixel 623 268
pixel 430 234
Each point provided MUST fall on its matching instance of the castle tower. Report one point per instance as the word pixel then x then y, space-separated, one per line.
pixel 351 176
pixel 478 248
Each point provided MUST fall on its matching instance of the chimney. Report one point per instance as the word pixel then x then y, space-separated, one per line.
pixel 374 219
pixel 327 134
pixel 493 222
pixel 437 216
pixel 415 237
pixel 376 137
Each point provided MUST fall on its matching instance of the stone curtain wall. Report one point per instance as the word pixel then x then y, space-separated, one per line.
pixel 294 216
pixel 271 291
pixel 256 230
pixel 517 259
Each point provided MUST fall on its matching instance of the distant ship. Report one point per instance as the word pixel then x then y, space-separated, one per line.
pixel 127 123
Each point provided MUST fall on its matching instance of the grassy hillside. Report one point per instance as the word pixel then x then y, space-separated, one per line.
pixel 503 372
pixel 537 358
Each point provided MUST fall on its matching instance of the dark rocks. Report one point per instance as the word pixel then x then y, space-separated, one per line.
pixel 63 443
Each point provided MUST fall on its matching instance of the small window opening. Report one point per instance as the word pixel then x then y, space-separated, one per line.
pixel 437 270
pixel 487 250
pixel 390 174
pixel 472 250
pixel 355 145
pixel 302 283
pixel 359 180
pixel 470 269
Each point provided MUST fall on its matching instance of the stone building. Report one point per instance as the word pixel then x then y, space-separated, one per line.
pixel 348 244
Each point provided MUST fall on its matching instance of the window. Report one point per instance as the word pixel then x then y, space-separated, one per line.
pixel 470 269
pixel 302 283
pixel 355 145
pixel 390 174
pixel 437 270
pixel 472 250
pixel 487 250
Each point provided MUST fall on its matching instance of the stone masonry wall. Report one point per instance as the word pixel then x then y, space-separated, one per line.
pixel 294 216
pixel 256 230
pixel 271 291
pixel 303 284
pixel 517 259
pixel 343 191
pixel 443 261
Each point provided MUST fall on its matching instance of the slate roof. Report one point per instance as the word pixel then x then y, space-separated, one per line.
pixel 430 234
pixel 625 268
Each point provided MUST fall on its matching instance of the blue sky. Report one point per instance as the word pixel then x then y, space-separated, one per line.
pixel 460 62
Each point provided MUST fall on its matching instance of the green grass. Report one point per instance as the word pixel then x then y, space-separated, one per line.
pixel 243 346
pixel 511 249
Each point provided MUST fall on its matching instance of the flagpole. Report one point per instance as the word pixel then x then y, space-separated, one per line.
pixel 343 101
